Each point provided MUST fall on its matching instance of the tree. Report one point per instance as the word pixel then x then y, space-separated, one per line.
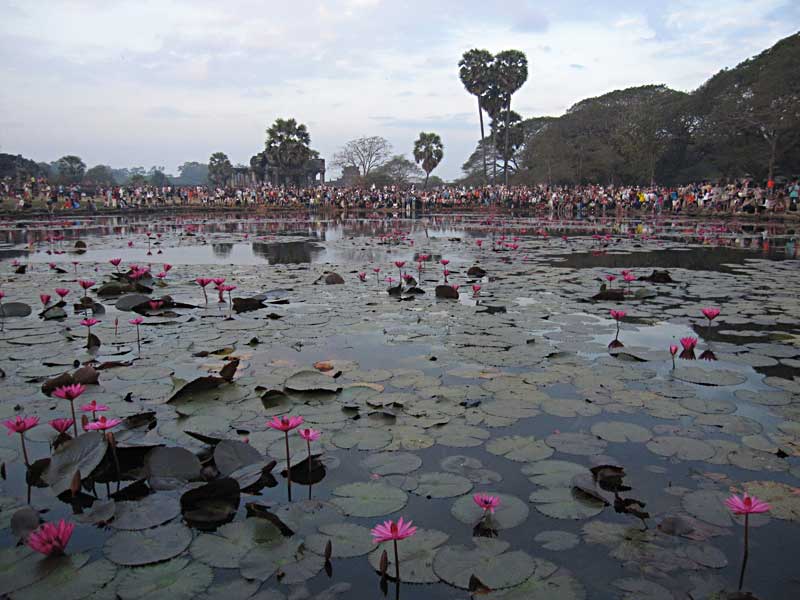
pixel 99 175
pixel 474 70
pixel 220 169
pixel 509 73
pixel 428 151
pixel 157 177
pixel 396 171
pixel 287 145
pixel 508 142
pixel 364 153
pixel 192 173
pixel 71 168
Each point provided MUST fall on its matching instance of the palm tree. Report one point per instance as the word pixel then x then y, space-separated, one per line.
pixel 428 150
pixel 474 69
pixel 510 71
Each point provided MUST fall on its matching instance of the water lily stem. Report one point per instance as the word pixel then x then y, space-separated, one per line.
pixel 746 549
pixel 24 450
pixel 288 468
pixel 74 420
pixel 396 563
pixel 308 443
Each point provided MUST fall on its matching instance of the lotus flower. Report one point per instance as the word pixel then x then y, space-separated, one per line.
pixel 479 243
pixel 362 276
pixel 391 531
pixel 20 425
pixel 45 298
pixel 93 407
pixel 710 314
pixel 746 505
pixel 103 424
pixel 61 425
pixel 444 262
pixel 689 343
pixel 309 435
pixel 51 539
pixel 86 283
pixel 62 292
pixel 116 262
pixel 155 304
pixel 486 502
pixel 89 322
pixel 617 315
pixel 673 350
pixel 167 267
pixel 476 289
pixel 136 321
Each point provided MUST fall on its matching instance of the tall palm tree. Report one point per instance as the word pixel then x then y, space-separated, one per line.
pixel 474 69
pixel 510 71
pixel 428 150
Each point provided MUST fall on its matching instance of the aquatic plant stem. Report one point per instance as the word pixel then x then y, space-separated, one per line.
pixel 24 449
pixel 396 564
pixel 746 548
pixel 74 420
pixel 288 468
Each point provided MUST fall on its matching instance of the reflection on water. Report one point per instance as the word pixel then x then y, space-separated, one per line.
pixel 287 253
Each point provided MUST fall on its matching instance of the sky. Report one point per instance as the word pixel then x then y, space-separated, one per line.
pixel 162 82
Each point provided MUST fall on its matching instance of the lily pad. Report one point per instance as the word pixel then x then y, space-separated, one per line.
pixel 392 463
pixel 581 444
pixel 471 468
pixel 290 557
pixel 150 511
pixel 311 381
pixel 232 541
pixel 82 454
pixel 347 540
pixel 362 438
pixel 566 503
pixel 557 540
pixel 709 377
pixel 368 499
pixel 441 485
pixel 784 500
pixel 682 448
pixel 67 582
pixel 416 555
pixel 232 455
pixel 619 431
pixel 134 548
pixel 520 448
pixel 559 586
pixel 488 561
pixel 177 579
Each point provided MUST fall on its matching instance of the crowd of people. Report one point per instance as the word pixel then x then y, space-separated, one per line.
pixel 737 197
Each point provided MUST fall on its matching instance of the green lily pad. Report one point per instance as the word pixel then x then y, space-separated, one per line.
pixel 511 512
pixel 557 540
pixel 82 454
pixel 150 511
pixel 460 436
pixel 362 438
pixel 373 499
pixel 232 455
pixel 392 463
pixel 682 448
pixel 416 555
pixel 566 503
pixel 232 541
pixel 553 473
pixel 177 579
pixel 619 431
pixel 347 540
pixel 290 556
pixel 68 582
pixel 559 586
pixel 784 500
pixel 311 381
pixel 581 444
pixel 306 516
pixel 471 468
pixel 639 589
pixel 520 448
pixel 441 485
pixel 134 548
pixel 709 377
pixel 489 561
pixel 709 506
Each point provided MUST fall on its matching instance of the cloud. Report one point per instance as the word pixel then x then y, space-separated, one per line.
pixel 577 66
pixel 166 112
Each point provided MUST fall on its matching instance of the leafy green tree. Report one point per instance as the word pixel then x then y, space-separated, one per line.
pixel 157 177
pixel 509 135
pixel 220 169
pixel 428 151
pixel 509 73
pixel 99 175
pixel 364 153
pixel 71 168
pixel 475 70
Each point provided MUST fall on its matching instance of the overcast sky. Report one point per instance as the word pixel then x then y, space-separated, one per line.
pixel 162 82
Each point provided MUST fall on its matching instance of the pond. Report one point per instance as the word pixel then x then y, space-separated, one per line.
pixel 496 369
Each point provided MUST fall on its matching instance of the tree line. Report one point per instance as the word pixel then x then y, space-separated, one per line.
pixel 742 122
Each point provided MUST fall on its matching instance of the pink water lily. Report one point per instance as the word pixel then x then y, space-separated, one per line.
pixel 445 262
pixel 710 314
pixel 45 299
pixel 479 243
pixel 476 289
pixel 86 283
pixel 673 350
pixel 93 407
pixel 309 435
pixel 689 343
pixel 617 315
pixel 20 425
pixel 746 505
pixel 167 267
pixel 136 321
pixel 61 425
pixel 116 262
pixel 51 539
pixel 103 424
pixel 486 502
pixel 91 321
pixel 362 276
pixel 62 292
pixel 389 531
pixel 155 304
